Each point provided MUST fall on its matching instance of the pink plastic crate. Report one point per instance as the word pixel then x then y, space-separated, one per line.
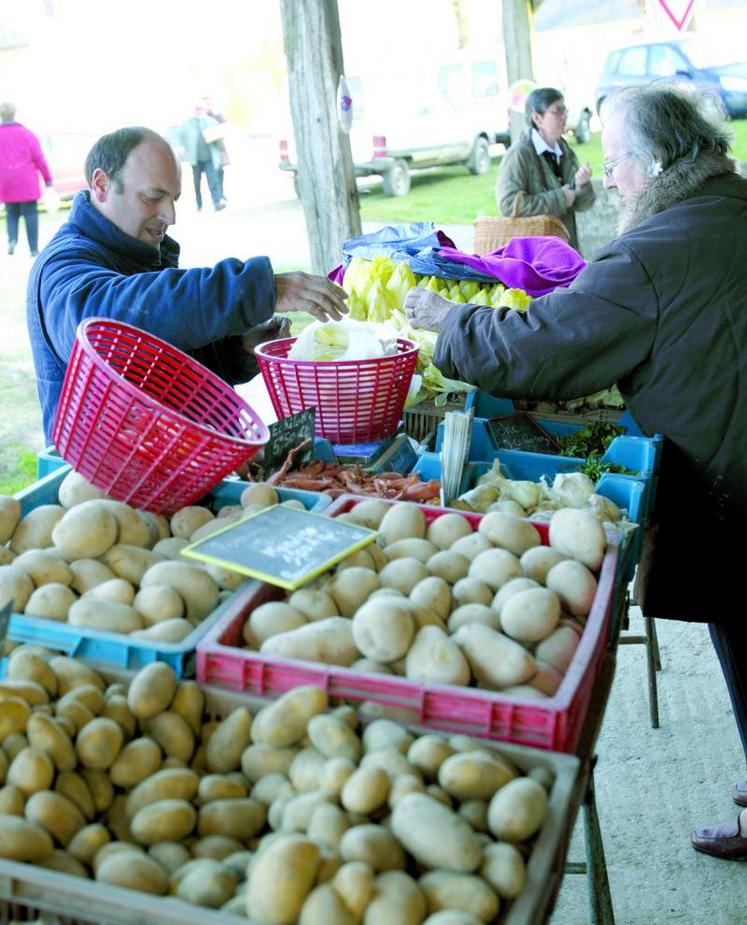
pixel 553 724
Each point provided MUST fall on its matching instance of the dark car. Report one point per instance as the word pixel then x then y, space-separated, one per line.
pixel 686 61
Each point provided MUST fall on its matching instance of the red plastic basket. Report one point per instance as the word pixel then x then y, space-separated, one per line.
pixel 554 723
pixel 145 422
pixel 356 401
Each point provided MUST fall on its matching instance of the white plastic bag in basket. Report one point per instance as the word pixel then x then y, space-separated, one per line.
pixel 343 340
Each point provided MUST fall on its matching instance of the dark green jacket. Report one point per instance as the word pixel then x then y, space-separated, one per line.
pixel 522 169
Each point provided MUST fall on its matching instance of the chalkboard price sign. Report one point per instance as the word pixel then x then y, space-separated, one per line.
pixel 520 431
pixel 286 434
pixel 281 545
pixel 4 621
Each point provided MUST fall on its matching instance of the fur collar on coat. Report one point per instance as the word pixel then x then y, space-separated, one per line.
pixel 679 181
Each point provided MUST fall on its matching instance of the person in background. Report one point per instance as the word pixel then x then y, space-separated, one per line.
pixel 21 162
pixel 661 312
pixel 113 259
pixel 203 156
pixel 543 167
pixel 220 142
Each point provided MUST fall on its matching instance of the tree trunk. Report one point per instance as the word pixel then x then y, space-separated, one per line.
pixel 313 47
pixel 518 26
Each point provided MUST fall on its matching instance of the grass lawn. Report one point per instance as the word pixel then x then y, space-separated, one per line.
pixel 451 195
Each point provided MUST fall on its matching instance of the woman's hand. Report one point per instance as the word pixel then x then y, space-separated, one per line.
pixel 302 292
pixel 583 175
pixel 426 309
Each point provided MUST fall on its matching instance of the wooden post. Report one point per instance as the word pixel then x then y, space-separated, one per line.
pixel 518 25
pixel 313 47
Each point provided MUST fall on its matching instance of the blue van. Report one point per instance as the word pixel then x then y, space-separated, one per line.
pixel 687 61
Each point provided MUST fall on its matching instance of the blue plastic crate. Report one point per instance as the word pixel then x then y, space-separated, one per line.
pixel 117 648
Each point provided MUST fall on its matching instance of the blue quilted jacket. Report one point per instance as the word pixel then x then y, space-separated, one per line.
pixel 92 269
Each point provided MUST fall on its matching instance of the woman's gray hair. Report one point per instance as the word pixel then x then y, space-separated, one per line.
pixel 7 112
pixel 539 101
pixel 665 124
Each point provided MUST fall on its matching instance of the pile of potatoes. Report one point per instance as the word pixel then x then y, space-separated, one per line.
pixel 295 814
pixel 441 603
pixel 95 562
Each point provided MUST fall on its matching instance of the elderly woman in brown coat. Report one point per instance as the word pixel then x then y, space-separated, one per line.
pixel 541 168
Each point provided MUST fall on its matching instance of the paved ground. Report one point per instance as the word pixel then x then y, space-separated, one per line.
pixel 652 785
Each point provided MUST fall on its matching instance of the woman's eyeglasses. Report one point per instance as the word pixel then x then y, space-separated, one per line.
pixel 609 166
pixel 558 111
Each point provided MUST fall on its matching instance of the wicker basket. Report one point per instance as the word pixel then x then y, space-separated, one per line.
pixel 492 232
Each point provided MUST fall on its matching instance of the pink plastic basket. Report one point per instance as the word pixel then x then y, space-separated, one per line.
pixel 553 724
pixel 356 401
pixel 145 422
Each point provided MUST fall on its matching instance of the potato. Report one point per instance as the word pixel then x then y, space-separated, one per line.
pixel 445 889
pixel 34 530
pixel 188 519
pixel 579 535
pixel 87 841
pixel 63 863
pixel 354 883
pixel 194 585
pixel 373 845
pixel 51 602
pixel 72 785
pixel 383 630
pixel 514 586
pixel 12 801
pixel 503 867
pixel 169 784
pixel 351 587
pixel 452 916
pixel 313 604
pixel 281 878
pixel 471 545
pixel 300 808
pixel 10 515
pixel 269 619
pixel 330 641
pixel 151 690
pixel 88 573
pixel 137 760
pixel 72 673
pixel 427 753
pixel 334 774
pixel 133 529
pixel 403 574
pixel 449 565
pixel 361 558
pixel 229 740
pixel 445 530
pixel 15 587
pixel 327 826
pixel 324 906
pixel 538 561
pixel 333 737
pixel 495 567
pixel 397 900
pixel 386 734
pixel 172 855
pixel 207 883
pixel 226 579
pixel 476 813
pixel 135 871
pixel 509 532
pixel 31 770
pixel 260 759
pixel 86 531
pixel 574 584
pixel 547 679
pixel 164 820
pixel 306 768
pixel 403 520
pixel 44 566
pixel 530 616
pixel 473 613
pixel 170 547
pixel 434 594
pixel 21 840
pixel 558 649
pixel 89 695
pixel 116 589
pixel 13 745
pixel 98 743
pixel 496 661
pixel 158 603
pixel 189 703
pixel 434 834
pixel 46 733
pixel 75 489
pixel 283 722
pixel 14 715
pixel 410 549
pixel 270 787
pixel 259 493
pixel 55 814
pixel 158 527
pixel 518 810
pixel 434 659
pixel 473 775
pixel 131 562
pixel 107 616
pixel 369 513
pixel 6 556
pixel 172 733
pixel 365 790
pixel 166 631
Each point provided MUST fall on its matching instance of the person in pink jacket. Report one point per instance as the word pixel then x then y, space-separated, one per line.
pixel 21 162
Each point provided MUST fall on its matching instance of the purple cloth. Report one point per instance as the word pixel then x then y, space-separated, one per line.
pixel 536 265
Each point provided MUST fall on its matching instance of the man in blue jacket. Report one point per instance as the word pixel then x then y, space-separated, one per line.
pixel 113 259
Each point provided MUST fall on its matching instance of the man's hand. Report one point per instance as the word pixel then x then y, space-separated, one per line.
pixel 583 175
pixel 302 292
pixel 426 309
pixel 273 329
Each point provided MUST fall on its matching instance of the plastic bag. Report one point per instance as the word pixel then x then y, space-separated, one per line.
pixel 343 340
pixel 51 200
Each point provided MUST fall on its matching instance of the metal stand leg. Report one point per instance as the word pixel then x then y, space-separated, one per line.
pixel 600 899
pixel 651 634
pixel 653 663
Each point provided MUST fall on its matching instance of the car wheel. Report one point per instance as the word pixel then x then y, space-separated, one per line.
pixel 479 160
pixel 583 129
pixel 397 179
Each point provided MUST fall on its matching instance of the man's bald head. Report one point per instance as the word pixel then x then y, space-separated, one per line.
pixel 111 151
